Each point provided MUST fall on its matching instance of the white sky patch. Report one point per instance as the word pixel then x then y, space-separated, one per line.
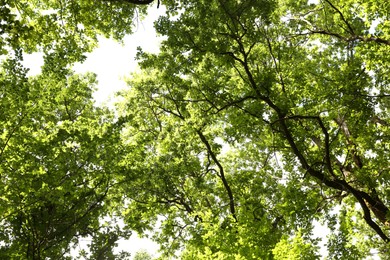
pixel 136 243
pixel 373 26
pixel 33 62
pixel 112 61
pixel 321 231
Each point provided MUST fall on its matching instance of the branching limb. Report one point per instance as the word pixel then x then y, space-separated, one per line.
pixel 334 182
pixel 342 17
pixel 221 174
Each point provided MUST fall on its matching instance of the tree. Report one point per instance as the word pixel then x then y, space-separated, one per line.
pixel 55 152
pixel 255 119
pixel 252 122
pixel 58 151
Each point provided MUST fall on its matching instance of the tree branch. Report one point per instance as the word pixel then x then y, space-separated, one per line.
pixel 221 173
pixel 334 183
pixel 342 17
pixel 347 39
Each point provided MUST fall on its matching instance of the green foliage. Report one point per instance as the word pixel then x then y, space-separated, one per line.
pixel 295 248
pixel 55 153
pixel 255 119
pixel 58 151
pixel 63 30
pixel 142 255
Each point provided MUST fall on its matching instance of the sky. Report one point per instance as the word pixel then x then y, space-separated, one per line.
pixel 112 61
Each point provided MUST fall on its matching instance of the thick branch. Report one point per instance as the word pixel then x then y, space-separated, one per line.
pixel 348 39
pixel 367 215
pixel 221 173
pixel 342 17
pixel 340 185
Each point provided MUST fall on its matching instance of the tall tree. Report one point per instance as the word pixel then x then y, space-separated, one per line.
pixel 259 117
pixel 56 151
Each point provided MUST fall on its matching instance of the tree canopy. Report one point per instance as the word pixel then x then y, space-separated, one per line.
pixel 257 121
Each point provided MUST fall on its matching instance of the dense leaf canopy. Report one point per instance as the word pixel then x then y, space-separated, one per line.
pixel 256 122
